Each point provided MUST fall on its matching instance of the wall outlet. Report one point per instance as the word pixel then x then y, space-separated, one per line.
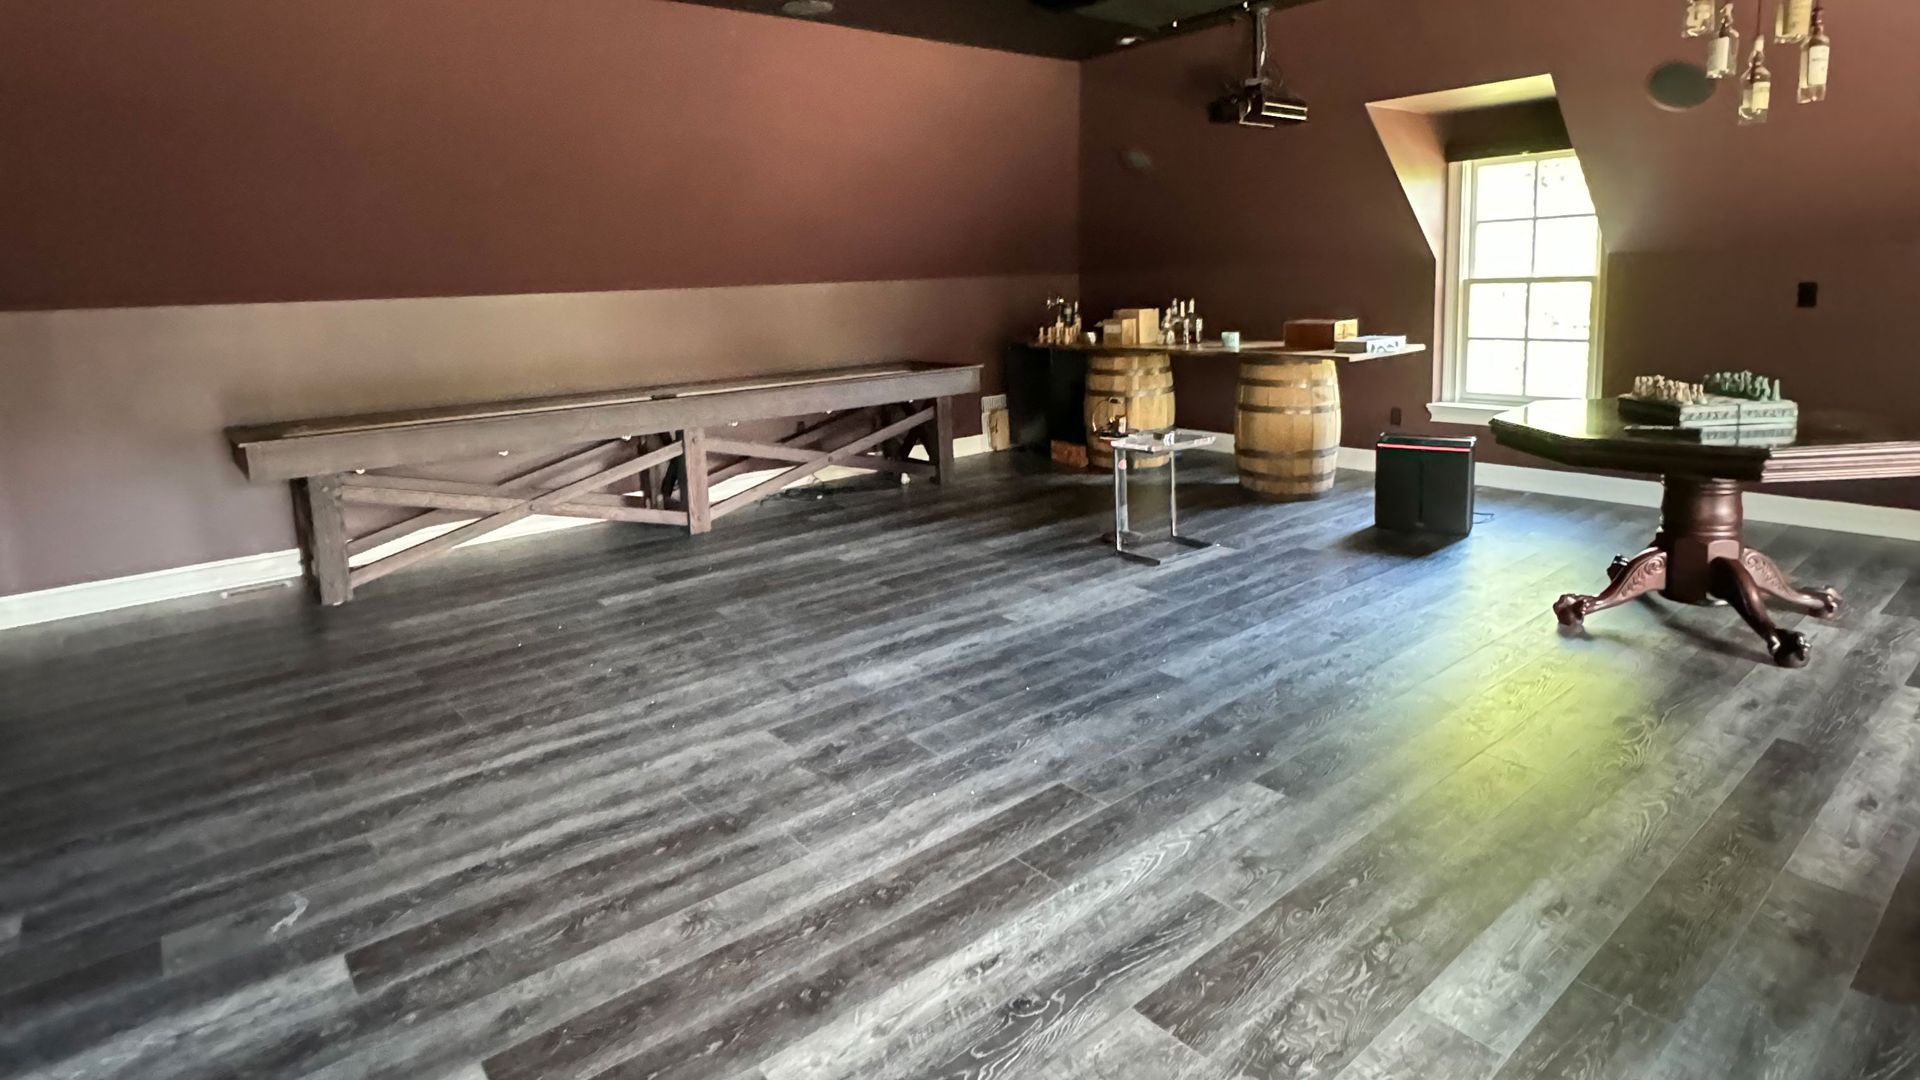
pixel 1809 294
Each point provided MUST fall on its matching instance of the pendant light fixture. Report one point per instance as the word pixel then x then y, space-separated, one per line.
pixel 1699 18
pixel 1813 58
pixel 1724 50
pixel 1792 20
pixel 1756 86
pixel 1795 22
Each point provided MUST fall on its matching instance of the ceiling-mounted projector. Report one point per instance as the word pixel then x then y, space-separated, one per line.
pixel 1261 101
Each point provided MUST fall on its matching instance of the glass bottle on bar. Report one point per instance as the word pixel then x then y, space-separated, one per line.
pixel 1756 87
pixel 1699 18
pixel 1792 20
pixel 1813 59
pixel 1724 50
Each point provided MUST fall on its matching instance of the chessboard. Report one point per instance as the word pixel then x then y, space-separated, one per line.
pixel 1712 410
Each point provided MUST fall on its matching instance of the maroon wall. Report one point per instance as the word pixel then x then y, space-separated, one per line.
pixel 1709 225
pixel 200 151
pixel 225 211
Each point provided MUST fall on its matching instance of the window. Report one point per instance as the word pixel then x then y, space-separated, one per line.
pixel 1523 288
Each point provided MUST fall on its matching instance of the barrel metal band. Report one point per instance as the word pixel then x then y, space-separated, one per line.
pixel 1290 410
pixel 1287 455
pixel 1137 395
pixel 1314 477
pixel 1159 369
pixel 1296 384
pixel 1267 474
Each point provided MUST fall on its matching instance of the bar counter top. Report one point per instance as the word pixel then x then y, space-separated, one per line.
pixel 1276 350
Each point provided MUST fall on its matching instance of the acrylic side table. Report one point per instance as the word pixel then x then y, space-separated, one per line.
pixel 1169 442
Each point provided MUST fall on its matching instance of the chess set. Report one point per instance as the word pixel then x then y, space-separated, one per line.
pixel 1732 408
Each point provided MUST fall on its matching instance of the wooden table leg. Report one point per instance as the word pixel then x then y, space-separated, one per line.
pixel 322 527
pixel 1732 583
pixel 694 481
pixel 1621 562
pixel 1822 603
pixel 1700 522
pixel 942 440
pixel 1642 574
pixel 1698 557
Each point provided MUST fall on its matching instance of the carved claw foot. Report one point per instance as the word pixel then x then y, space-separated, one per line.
pixel 1789 649
pixel 1572 609
pixel 1642 574
pixel 1830 599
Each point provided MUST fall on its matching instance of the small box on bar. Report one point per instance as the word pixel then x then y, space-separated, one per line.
pixel 1319 333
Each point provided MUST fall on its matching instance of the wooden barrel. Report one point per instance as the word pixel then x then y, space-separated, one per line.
pixel 1138 387
pixel 1286 433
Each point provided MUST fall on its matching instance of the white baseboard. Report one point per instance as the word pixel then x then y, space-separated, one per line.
pixel 253 571
pixel 92 597
pixel 224 577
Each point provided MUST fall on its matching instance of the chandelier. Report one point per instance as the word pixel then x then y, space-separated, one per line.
pixel 1795 22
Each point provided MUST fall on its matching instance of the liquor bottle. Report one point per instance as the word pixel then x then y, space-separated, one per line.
pixel 1724 47
pixel 1699 18
pixel 1756 88
pixel 1813 60
pixel 1792 21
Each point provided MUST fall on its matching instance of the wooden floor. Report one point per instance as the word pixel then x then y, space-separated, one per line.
pixel 916 782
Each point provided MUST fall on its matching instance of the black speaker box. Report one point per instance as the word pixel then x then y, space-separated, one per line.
pixel 1423 483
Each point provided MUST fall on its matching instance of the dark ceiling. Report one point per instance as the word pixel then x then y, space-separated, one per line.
pixel 1068 29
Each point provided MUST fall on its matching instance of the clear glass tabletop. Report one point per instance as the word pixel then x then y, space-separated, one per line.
pixel 1159 442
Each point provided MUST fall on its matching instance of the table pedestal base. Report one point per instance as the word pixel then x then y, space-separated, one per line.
pixel 1698 557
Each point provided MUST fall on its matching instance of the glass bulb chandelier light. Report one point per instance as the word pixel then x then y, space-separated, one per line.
pixel 1699 18
pixel 1756 86
pixel 1792 19
pixel 1795 22
pixel 1724 50
pixel 1813 59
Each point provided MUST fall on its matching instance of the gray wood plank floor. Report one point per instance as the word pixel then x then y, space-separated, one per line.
pixel 881 781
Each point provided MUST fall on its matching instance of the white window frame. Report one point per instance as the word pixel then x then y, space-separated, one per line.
pixel 1455 404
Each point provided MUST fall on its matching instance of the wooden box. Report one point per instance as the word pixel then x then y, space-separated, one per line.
pixel 1319 333
pixel 999 431
pixel 1146 324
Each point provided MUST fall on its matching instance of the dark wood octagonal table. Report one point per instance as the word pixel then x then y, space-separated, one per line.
pixel 1698 555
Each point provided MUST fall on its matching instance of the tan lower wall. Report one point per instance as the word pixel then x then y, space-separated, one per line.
pixel 111 455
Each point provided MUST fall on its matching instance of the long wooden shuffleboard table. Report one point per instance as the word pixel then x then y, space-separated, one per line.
pixel 644 454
